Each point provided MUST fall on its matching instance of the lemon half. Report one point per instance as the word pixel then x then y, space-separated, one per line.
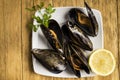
pixel 102 62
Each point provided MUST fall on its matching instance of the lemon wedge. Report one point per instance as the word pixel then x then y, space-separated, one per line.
pixel 102 62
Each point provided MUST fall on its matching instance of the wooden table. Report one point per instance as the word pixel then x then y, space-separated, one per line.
pixel 15 36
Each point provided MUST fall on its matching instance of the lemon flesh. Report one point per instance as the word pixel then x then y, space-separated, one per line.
pixel 102 62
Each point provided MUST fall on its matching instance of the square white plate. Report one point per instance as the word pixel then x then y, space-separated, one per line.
pixel 39 41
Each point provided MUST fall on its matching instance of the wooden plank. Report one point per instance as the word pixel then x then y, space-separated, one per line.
pixel 80 3
pixel 65 3
pixel 59 3
pixel 28 73
pixel 27 68
pixel 94 5
pixel 12 18
pixel 109 14
pixel 46 2
pixel 118 24
pixel 2 42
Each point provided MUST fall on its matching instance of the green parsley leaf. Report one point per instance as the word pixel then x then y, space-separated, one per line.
pixel 45 16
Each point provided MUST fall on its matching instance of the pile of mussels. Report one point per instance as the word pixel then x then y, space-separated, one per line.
pixel 72 38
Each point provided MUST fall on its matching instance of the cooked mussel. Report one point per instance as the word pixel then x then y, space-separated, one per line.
pixel 84 39
pixel 71 60
pixel 73 53
pixel 92 19
pixel 53 34
pixel 78 37
pixel 87 24
pixel 54 26
pixel 83 60
pixel 80 19
pixel 50 59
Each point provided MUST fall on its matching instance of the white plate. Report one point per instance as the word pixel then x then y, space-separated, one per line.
pixel 39 41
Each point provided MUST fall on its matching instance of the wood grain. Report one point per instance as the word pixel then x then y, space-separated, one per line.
pixel 12 28
pixel 110 30
pixel 15 36
pixel 26 41
pixel 118 26
pixel 2 41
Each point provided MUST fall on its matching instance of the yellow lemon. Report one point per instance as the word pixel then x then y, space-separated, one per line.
pixel 102 62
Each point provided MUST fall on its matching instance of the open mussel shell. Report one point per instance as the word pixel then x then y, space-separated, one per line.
pixel 82 59
pixel 71 60
pixel 83 39
pixel 50 59
pixel 73 53
pixel 81 20
pixel 75 58
pixel 53 25
pixel 93 19
pixel 79 39
pixel 53 34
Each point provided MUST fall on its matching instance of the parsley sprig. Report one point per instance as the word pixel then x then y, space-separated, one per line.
pixel 45 16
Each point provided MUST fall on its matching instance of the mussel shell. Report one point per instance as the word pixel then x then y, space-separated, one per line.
pixel 83 60
pixel 83 39
pixel 55 28
pixel 68 35
pixel 93 19
pixel 81 20
pixel 53 25
pixel 50 59
pixel 69 59
pixel 75 57
pixel 73 53
pixel 49 36
pixel 79 39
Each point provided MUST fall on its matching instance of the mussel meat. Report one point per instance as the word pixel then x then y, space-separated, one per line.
pixel 50 59
pixel 87 24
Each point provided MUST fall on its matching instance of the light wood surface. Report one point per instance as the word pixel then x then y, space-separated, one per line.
pixel 15 36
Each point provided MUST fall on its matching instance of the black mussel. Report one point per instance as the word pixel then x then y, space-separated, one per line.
pixel 71 60
pixel 78 38
pixel 74 54
pixel 75 58
pixel 82 21
pixel 84 39
pixel 53 34
pixel 93 19
pixel 83 60
pixel 54 26
pixel 50 59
